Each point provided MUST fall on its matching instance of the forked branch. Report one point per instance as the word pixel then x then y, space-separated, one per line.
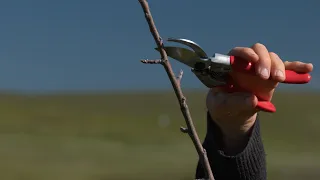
pixel 175 81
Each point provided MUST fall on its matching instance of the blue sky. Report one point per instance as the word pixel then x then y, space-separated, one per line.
pixel 66 45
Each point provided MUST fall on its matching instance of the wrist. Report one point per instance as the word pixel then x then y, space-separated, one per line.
pixel 233 145
pixel 235 138
pixel 234 127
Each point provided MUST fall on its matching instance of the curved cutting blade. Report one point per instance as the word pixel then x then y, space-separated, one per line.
pixel 196 47
pixel 183 55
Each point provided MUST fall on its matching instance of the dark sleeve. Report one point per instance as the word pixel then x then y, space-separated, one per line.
pixel 250 164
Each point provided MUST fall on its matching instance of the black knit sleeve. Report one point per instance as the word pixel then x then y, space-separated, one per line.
pixel 250 164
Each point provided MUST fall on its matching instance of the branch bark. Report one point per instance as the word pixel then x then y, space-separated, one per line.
pixel 177 89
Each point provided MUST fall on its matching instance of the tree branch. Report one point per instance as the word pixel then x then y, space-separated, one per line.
pixel 179 77
pixel 177 89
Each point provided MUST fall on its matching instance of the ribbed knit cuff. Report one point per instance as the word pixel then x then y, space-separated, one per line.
pixel 250 164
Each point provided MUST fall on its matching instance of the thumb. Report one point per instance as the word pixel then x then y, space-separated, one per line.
pixel 232 103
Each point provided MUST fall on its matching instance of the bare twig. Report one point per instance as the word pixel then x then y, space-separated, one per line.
pixel 177 89
pixel 145 61
pixel 184 130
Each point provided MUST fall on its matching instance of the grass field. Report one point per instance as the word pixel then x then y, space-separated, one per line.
pixel 136 136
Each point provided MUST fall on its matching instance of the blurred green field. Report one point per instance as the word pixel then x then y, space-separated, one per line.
pixel 136 136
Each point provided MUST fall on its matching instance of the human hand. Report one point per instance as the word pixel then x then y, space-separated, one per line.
pixel 235 113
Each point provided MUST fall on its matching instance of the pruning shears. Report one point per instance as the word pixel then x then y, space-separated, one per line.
pixel 213 71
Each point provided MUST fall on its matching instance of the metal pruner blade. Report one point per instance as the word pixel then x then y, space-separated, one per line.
pixel 194 46
pixel 186 56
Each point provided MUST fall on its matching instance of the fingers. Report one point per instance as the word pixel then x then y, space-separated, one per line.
pixel 298 66
pixel 263 65
pixel 269 64
pixel 277 67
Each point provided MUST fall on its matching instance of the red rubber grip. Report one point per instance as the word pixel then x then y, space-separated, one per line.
pixel 266 106
pixel 292 77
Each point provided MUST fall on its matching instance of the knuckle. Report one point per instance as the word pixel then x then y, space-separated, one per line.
pixel 293 63
pixel 248 51
pixel 273 54
pixel 258 45
pixel 297 62
pixel 289 63
pixel 235 49
pixel 276 61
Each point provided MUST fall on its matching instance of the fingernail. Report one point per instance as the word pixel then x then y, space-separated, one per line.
pixel 264 72
pixel 279 74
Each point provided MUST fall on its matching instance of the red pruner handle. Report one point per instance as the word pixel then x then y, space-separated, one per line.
pixel 266 106
pixel 292 77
